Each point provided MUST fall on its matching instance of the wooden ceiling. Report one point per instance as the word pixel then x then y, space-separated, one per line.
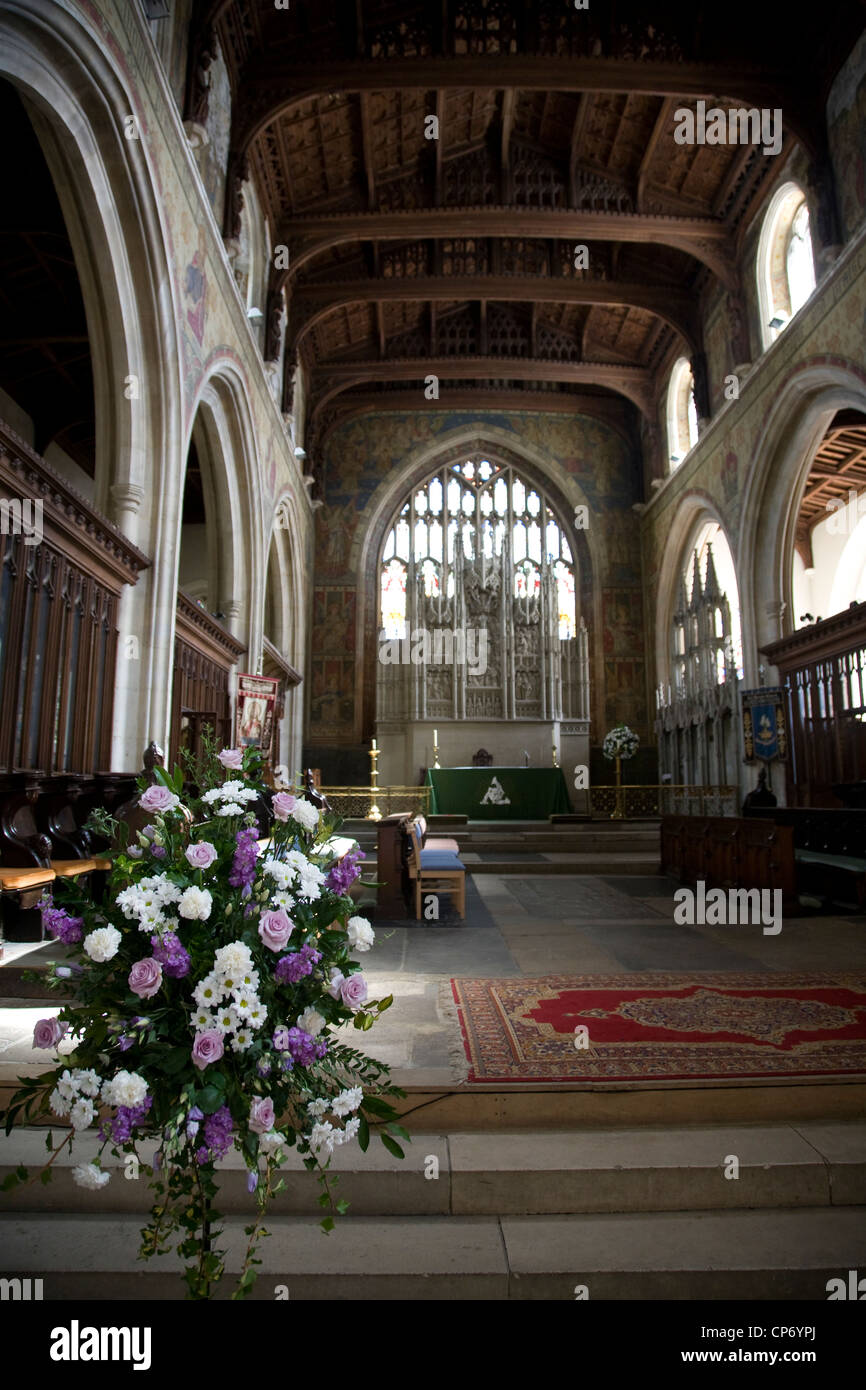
pixel 455 256
pixel 838 473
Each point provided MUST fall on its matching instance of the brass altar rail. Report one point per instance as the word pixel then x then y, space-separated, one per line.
pixel 638 802
pixel 357 801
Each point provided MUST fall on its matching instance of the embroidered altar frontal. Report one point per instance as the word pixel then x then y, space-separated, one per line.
pixel 659 1027
pixel 498 793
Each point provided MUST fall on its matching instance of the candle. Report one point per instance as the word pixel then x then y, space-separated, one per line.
pixel 374 746
pixel 435 735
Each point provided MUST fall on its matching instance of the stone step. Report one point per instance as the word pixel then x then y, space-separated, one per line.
pixel 513 1174
pixel 742 1255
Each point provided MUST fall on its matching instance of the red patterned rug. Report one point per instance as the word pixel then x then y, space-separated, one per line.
pixel 659 1027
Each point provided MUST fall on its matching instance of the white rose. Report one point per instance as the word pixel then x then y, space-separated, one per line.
pixel 311 1021
pixel 361 934
pixel 270 1142
pixel 102 944
pixel 305 814
pixel 195 904
pixel 90 1176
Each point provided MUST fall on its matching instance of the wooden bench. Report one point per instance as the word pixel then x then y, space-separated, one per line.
pixel 435 871
pixel 730 852
pixel 829 849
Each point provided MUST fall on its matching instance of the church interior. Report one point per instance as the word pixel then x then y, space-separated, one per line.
pixel 462 404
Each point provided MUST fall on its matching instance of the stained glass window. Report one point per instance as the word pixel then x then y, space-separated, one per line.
pixel 472 507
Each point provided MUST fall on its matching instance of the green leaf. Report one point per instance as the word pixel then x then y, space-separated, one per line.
pixel 45 1176
pixel 327 1224
pixel 377 1106
pixel 392 1146
pixel 210 1099
pixel 385 1003
pixel 400 1132
pixel 363 1135
pixel 368 1022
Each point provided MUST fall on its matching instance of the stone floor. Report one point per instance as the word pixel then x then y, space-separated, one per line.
pixel 535 925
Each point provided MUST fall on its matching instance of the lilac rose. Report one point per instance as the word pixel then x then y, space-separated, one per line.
pixel 261 1114
pixel 145 977
pixel 48 1032
pixel 232 758
pixel 353 991
pixel 283 804
pixel 202 855
pixel 207 1048
pixel 158 799
pixel 275 928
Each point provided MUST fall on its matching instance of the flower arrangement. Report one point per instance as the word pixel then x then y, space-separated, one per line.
pixel 209 985
pixel 620 742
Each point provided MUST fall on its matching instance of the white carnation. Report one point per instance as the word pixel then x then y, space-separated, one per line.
pixel 361 934
pixel 126 1088
pixel 318 1108
pixel 82 1113
pixel 311 1021
pixel 87 1082
pixel 350 1129
pixel 348 1101
pixel 102 944
pixel 305 814
pixel 323 1136
pixel 195 904
pixel 89 1175
pixel 59 1103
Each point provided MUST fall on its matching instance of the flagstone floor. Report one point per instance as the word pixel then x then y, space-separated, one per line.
pixel 532 925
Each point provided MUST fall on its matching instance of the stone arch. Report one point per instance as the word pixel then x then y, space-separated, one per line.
pixel 694 508
pixel 285 573
pixel 794 426
pixel 79 105
pixel 222 429
pixel 565 493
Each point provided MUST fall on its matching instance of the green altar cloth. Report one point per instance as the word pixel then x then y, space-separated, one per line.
pixel 498 793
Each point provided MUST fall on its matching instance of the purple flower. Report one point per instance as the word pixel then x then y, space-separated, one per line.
pixel 202 1155
pixel 200 855
pixel 281 1038
pixel 135 851
pixel 353 991
pixel 158 798
pixel 275 928
pixel 282 805
pixel 252 1180
pixel 244 861
pixel 232 758
pixel 292 968
pixel 218 1131
pixel 344 873
pixel 59 924
pixel 303 1048
pixel 48 1032
pixel 264 1069
pixel 172 956
pixel 157 851
pixel 125 1042
pixel 126 1119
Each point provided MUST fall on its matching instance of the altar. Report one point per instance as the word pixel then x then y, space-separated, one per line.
pixel 498 793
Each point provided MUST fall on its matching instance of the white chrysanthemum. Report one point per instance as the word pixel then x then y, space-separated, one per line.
pixel 87 1082
pixel 89 1175
pixel 201 1020
pixel 60 1103
pixel 284 900
pixel 224 1019
pixel 242 1039
pixel 310 883
pixel 82 1113
pixel 347 1101
pixel 323 1136
pixel 297 860
pixel 251 980
pixel 244 1002
pixel 350 1129
pixel 208 992
pixel 305 814
pixel 282 874
pixel 126 1088
pixel 162 887
pixel 195 904
pixel 236 790
pixel 231 808
pixel 270 1142
pixel 213 795
pixel 318 1108
pixel 235 959
pixel 102 944
pixel 258 1015
pixel 311 1021
pixel 361 934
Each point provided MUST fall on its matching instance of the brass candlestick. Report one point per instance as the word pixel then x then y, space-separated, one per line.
pixel 435 748
pixel 617 812
pixel 555 755
pixel 374 813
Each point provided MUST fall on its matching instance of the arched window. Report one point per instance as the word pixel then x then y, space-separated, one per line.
pixel 682 413
pixel 785 266
pixel 474 512
pixel 707 637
